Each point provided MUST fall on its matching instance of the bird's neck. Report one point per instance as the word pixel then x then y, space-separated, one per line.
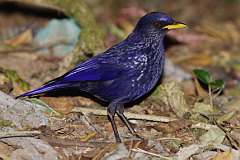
pixel 136 38
pixel 153 46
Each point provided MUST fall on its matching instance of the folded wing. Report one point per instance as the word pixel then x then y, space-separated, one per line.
pixel 92 70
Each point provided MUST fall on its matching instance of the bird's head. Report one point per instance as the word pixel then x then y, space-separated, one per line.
pixel 155 24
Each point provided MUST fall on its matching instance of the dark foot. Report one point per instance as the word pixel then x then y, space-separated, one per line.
pixel 132 138
pixel 136 136
pixel 118 139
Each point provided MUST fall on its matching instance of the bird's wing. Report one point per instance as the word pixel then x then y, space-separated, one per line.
pixel 92 70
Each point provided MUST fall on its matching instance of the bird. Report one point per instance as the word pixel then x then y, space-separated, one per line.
pixel 123 73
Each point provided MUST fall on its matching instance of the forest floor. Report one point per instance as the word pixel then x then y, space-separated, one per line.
pixel 190 115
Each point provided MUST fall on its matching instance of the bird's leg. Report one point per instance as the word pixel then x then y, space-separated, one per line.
pixel 119 111
pixel 111 112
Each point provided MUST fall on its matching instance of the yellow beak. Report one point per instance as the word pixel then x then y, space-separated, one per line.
pixel 175 26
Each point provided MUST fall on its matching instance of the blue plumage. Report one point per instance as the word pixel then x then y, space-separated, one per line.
pixel 123 73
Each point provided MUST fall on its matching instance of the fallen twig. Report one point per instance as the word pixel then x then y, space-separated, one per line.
pixel 127 114
pixel 18 133
pixel 59 142
pixel 168 138
pixel 150 153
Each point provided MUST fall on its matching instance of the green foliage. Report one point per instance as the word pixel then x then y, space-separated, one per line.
pixel 199 132
pixel 174 144
pixel 42 106
pixel 218 83
pixel 204 109
pixel 6 123
pixel 206 78
pixel 202 75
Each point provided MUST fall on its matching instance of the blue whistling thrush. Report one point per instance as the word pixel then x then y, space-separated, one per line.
pixel 123 73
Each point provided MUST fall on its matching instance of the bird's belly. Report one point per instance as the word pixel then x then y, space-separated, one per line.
pixel 125 89
pixel 142 85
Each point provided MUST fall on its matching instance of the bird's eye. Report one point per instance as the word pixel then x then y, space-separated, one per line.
pixel 156 24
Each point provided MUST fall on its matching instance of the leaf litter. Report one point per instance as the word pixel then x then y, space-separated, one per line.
pixel 176 121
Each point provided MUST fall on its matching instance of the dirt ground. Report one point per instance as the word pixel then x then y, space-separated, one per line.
pixel 184 117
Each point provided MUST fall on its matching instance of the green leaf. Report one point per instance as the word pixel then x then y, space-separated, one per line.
pixel 174 144
pixel 226 117
pixel 204 109
pixel 203 76
pixel 37 103
pixel 218 83
pixel 214 135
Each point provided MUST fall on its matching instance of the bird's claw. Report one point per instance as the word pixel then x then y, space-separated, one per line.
pixel 136 136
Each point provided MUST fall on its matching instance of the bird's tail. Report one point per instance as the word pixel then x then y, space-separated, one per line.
pixel 43 90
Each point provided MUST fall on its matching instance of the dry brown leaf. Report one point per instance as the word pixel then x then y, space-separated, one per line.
pixel 62 105
pixel 90 153
pixel 5 148
pixel 200 90
pixel 108 127
pixel 228 155
pixel 17 88
pixel 173 126
pixel 100 153
pixel 23 38
pixel 197 59
pixel 7 86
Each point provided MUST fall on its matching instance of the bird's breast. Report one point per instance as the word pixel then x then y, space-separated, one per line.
pixel 146 78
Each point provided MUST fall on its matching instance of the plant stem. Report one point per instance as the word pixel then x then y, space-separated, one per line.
pixel 210 95
pixel 219 91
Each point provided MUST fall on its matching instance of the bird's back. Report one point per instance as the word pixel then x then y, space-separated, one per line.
pixel 141 68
